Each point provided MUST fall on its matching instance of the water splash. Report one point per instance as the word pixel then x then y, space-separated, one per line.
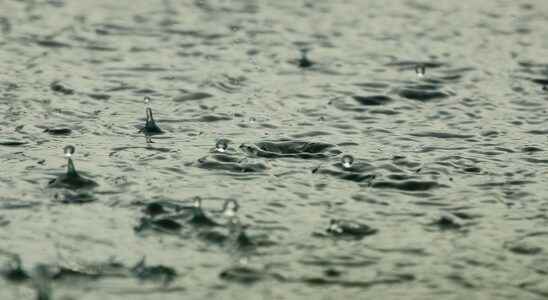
pixel 238 238
pixel 347 161
pixel 420 70
pixel 199 218
pixel 221 145
pixel 341 228
pixel 304 62
pixel 151 128
pixel 71 179
pixel 69 150
pixel 230 208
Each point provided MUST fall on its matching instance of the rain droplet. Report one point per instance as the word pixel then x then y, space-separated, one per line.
pixel 230 208
pixel 221 145
pixel 148 101
pixel 347 161
pixel 420 70
pixel 150 126
pixel 197 203
pixel 69 150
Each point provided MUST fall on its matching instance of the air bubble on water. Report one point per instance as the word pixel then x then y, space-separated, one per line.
pixel 420 70
pixel 69 150
pixel 230 208
pixel 347 161
pixel 221 145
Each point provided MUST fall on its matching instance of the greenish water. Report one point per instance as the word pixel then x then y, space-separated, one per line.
pixel 448 180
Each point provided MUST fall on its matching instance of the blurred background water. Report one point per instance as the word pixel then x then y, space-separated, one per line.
pixel 441 105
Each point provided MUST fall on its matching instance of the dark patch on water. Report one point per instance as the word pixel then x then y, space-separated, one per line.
pixel 12 143
pixel 56 86
pixel 192 97
pixel 158 273
pixel 373 100
pixel 58 131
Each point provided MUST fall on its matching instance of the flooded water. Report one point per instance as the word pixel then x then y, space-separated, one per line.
pixel 285 150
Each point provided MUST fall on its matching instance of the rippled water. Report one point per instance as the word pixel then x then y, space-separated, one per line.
pixel 446 196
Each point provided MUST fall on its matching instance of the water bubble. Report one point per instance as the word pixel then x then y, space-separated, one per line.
pixel 69 150
pixel 221 145
pixel 230 208
pixel 347 161
pixel 420 70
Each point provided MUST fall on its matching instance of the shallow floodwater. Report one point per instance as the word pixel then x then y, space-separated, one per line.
pixel 449 170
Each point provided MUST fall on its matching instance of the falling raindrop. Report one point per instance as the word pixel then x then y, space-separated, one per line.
pixel 347 161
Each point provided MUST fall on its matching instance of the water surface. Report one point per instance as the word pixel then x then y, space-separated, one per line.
pixel 449 168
